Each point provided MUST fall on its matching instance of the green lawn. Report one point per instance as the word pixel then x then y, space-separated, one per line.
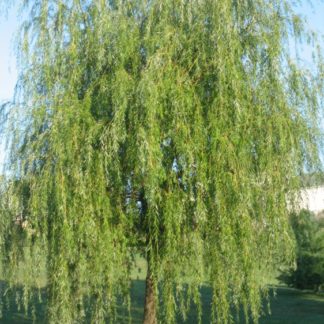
pixel 290 306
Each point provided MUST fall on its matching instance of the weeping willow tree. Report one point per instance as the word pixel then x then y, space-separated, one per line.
pixel 175 130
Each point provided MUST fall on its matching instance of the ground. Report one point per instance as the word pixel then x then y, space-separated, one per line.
pixel 289 306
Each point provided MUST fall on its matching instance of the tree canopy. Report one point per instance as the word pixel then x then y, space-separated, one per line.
pixel 177 130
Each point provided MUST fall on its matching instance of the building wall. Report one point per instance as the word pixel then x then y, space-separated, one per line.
pixel 313 199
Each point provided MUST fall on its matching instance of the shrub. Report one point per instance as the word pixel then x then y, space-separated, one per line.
pixel 309 270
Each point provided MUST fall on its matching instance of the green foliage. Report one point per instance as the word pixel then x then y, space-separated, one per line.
pixel 309 271
pixel 314 179
pixel 174 129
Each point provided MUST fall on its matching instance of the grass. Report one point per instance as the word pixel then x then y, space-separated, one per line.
pixel 292 306
pixel 289 306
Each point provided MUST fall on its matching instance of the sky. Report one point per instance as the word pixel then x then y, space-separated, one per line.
pixel 8 72
pixel 9 26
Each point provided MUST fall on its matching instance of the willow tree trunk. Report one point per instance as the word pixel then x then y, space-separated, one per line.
pixel 150 302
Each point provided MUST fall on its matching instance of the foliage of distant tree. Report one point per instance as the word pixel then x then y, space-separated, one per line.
pixel 313 179
pixel 309 270
pixel 175 129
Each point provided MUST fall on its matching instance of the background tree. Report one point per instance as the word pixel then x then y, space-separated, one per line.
pixel 174 129
pixel 309 270
pixel 313 179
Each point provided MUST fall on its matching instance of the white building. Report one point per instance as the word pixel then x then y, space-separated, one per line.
pixel 313 200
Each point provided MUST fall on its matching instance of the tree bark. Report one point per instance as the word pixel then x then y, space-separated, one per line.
pixel 150 302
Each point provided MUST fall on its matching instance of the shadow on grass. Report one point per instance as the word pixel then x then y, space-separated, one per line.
pixel 290 306
pixel 14 313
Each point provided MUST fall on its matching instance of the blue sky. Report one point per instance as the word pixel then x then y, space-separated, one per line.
pixel 9 25
pixel 8 73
